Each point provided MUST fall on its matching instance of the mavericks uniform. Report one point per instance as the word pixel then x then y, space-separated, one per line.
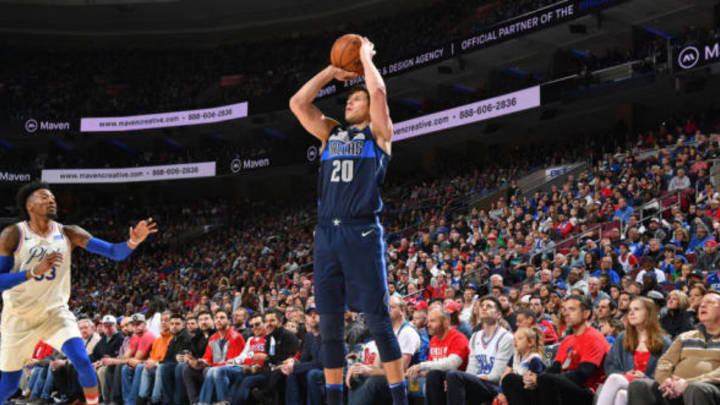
pixel 350 268
pixel 37 309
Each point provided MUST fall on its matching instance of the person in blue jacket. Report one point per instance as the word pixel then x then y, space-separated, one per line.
pixel 635 353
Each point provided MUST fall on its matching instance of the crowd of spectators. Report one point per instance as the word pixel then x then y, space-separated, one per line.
pixel 530 268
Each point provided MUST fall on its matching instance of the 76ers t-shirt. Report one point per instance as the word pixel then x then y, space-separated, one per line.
pixel 454 343
pixel 589 347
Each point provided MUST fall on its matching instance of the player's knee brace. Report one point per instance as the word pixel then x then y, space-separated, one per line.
pixel 74 349
pixel 332 351
pixel 9 383
pixel 385 339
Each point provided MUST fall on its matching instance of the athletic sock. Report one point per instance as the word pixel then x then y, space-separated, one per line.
pixel 91 400
pixel 334 394
pixel 399 393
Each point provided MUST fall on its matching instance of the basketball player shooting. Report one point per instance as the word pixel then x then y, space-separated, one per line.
pixel 349 250
pixel 35 276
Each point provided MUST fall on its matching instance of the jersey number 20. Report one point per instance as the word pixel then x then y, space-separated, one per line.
pixel 342 171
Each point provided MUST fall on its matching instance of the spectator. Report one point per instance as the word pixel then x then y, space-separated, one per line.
pixel 374 386
pixel 138 351
pixel 527 358
pixel 149 385
pixel 634 354
pixel 64 375
pixel 594 292
pixel 623 211
pixel 575 282
pixel 419 321
pixel 679 182
pixel 544 323
pixel 251 361
pixel 175 355
pixel 490 350
pixel 107 348
pixel 649 269
pixel 240 318
pixel 193 370
pixel 677 319
pixel 225 345
pixel 577 370
pixel 606 264
pixel 688 370
pixel 307 371
pixel 448 351
pixel 285 346
pixel 709 260
pixel 113 376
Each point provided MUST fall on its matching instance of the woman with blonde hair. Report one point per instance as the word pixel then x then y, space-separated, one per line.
pixel 677 319
pixel 635 353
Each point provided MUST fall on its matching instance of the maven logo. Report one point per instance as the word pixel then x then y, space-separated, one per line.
pixel 688 57
pixel 32 125
pixel 15 177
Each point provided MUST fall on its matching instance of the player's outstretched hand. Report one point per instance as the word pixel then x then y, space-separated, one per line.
pixel 141 231
pixel 50 260
pixel 343 75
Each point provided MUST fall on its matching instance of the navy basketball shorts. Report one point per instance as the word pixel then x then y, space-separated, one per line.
pixel 350 268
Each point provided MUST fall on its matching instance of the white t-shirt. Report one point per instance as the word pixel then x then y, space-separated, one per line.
pixel 409 339
pixel 659 276
pixel 466 313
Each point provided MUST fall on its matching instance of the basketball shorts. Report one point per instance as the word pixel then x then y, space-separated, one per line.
pixel 19 335
pixel 350 268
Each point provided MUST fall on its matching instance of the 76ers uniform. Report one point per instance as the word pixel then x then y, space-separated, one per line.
pixel 37 309
pixel 349 249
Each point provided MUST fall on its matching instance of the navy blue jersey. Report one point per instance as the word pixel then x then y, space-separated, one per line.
pixel 352 171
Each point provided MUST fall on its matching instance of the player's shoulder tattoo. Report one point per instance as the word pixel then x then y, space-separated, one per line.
pixel 9 239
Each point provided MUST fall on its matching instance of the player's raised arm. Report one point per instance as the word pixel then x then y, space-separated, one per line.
pixel 380 122
pixel 115 251
pixel 301 104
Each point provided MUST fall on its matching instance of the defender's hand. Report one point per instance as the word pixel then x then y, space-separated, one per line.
pixel 141 231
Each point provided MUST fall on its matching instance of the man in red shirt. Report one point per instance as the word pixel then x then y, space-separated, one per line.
pixel 449 350
pixel 578 367
pixel 225 344
pixel 253 355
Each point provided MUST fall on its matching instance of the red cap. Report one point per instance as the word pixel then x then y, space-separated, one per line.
pixel 492 236
pixel 452 307
pixel 421 305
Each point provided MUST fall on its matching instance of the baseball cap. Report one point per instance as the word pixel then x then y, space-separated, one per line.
pixel 109 319
pixel 492 236
pixel 310 308
pixel 470 286
pixel 137 318
pixel 698 273
pixel 421 305
pixel 655 295
pixel 452 307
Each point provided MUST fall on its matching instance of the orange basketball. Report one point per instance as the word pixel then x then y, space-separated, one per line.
pixel 345 53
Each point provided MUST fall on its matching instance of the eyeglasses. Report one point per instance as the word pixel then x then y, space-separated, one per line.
pixel 255 325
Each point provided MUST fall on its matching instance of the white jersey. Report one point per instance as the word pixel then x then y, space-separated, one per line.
pixel 489 355
pixel 48 291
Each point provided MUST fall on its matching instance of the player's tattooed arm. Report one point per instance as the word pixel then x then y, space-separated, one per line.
pixel 77 235
pixel 9 239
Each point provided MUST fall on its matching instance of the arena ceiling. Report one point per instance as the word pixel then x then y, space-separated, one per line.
pixel 212 20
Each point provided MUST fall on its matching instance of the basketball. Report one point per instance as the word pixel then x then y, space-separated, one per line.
pixel 345 53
